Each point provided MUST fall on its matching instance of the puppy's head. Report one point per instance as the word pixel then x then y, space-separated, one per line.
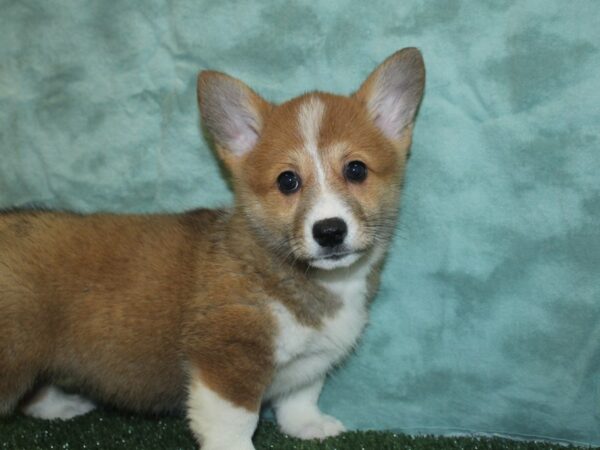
pixel 318 177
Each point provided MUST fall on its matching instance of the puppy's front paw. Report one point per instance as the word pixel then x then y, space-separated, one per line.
pixel 316 427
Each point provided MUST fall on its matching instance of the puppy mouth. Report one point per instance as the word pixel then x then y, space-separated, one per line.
pixel 337 255
pixel 334 259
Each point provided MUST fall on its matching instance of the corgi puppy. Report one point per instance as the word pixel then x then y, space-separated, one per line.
pixel 215 312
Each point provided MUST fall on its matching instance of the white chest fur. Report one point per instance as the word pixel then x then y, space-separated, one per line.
pixel 304 353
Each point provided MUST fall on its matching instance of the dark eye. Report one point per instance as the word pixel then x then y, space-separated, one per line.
pixel 355 171
pixel 288 182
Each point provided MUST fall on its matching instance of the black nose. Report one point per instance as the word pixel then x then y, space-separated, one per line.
pixel 330 232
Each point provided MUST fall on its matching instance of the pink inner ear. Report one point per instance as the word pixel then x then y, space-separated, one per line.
pixel 385 125
pixel 231 116
pixel 239 126
pixel 243 140
pixel 388 116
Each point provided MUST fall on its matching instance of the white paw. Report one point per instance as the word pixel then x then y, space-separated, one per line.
pixel 319 427
pixel 55 404
pixel 246 445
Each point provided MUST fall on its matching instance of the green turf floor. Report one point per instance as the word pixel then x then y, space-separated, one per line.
pixel 110 430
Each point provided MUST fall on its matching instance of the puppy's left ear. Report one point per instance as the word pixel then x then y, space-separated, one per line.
pixel 393 92
pixel 232 112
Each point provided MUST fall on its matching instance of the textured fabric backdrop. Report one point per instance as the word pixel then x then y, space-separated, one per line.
pixel 488 319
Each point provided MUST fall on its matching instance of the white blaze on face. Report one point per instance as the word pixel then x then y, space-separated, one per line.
pixel 327 204
pixel 310 117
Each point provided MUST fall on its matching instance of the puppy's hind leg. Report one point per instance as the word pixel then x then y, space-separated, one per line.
pixel 24 343
pixel 18 372
pixel 52 403
pixel 15 382
pixel 11 394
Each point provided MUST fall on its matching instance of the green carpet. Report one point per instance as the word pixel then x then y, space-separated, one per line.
pixel 111 430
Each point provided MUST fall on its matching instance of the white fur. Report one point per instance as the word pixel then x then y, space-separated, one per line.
pixel 218 423
pixel 350 284
pixel 55 404
pixel 310 116
pixel 298 414
pixel 304 354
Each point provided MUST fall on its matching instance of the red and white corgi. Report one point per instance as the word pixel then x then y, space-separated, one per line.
pixel 214 312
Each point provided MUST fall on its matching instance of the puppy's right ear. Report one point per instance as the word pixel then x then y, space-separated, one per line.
pixel 232 112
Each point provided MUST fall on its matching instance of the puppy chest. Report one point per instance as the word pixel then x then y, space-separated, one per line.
pixel 327 343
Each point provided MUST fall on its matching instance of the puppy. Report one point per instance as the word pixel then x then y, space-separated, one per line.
pixel 214 312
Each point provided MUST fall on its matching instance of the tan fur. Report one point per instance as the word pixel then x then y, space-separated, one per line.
pixel 127 308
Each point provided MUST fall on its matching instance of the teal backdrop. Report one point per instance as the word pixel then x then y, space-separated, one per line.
pixel 488 319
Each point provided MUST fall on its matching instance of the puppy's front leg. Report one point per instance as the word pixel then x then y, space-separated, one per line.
pixel 230 356
pixel 217 422
pixel 298 414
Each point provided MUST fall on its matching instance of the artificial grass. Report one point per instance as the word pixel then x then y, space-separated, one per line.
pixel 108 430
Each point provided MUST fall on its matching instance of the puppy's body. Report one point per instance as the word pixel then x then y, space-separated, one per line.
pixel 145 290
pixel 215 312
